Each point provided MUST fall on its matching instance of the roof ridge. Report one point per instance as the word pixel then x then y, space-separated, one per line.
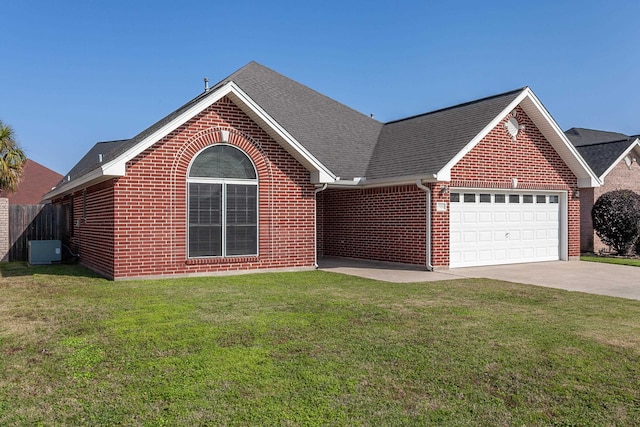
pixel 464 104
pixel 604 142
pixel 309 88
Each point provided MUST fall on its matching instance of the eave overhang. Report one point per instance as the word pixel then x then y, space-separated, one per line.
pixel 634 146
pixel 549 128
pixel 115 168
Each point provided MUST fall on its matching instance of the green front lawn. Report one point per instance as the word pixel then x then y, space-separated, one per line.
pixel 635 262
pixel 311 348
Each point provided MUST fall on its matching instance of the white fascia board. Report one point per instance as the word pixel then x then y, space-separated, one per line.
pixel 324 175
pixel 445 172
pixel 635 145
pixel 91 178
pixel 586 177
pixel 118 165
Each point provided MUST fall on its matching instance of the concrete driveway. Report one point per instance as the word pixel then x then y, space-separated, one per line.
pixel 580 276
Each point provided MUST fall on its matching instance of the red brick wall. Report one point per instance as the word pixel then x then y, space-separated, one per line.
pixel 530 159
pixel 383 224
pixel 91 234
pixel 388 224
pixel 621 177
pixel 149 222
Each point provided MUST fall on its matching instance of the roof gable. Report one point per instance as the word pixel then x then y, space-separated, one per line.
pixel 117 154
pixel 602 150
pixel 338 136
pixel 423 145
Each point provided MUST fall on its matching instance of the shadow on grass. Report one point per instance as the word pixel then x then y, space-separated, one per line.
pixel 17 269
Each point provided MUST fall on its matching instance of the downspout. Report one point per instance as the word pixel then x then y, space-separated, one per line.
pixel 315 223
pixel 427 190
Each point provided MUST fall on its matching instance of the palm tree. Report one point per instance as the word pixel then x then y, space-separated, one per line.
pixel 12 159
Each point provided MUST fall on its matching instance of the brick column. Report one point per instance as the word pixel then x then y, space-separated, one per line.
pixel 4 229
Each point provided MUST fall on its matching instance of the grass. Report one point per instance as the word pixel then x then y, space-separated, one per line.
pixel 635 262
pixel 311 348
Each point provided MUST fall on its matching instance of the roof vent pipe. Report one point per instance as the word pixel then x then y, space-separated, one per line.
pixel 206 84
pixel 100 158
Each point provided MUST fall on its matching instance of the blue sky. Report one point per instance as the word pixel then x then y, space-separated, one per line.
pixel 77 72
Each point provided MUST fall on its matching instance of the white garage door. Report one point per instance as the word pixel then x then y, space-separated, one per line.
pixel 489 227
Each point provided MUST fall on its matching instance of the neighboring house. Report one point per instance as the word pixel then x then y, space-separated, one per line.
pixel 261 172
pixel 37 180
pixel 613 157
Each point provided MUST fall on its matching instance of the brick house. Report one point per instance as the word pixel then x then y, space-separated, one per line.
pixel 613 157
pixel 260 172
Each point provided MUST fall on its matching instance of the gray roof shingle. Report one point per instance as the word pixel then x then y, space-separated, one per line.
pixel 581 136
pixel 340 137
pixel 424 144
pixel 600 149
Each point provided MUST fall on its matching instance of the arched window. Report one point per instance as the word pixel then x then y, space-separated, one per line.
pixel 222 203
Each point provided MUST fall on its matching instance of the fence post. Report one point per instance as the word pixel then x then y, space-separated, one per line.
pixel 4 229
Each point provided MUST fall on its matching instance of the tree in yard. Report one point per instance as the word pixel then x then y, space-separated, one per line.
pixel 616 219
pixel 12 159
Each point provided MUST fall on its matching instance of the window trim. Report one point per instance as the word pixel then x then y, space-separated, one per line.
pixel 224 182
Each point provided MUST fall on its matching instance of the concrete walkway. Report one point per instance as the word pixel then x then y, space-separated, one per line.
pixel 580 276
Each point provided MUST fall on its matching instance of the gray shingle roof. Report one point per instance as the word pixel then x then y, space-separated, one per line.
pixel 581 136
pixel 348 143
pixel 90 161
pixel 424 144
pixel 600 149
pixel 340 137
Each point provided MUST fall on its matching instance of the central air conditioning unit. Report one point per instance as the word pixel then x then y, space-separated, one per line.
pixel 45 251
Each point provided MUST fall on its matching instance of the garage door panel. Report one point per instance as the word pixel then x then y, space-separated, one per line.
pixel 485 255
pixel 528 252
pixel 542 216
pixel 484 236
pixel 470 217
pixel 528 235
pixel 500 217
pixel 485 217
pixel 470 237
pixel 497 233
pixel 515 254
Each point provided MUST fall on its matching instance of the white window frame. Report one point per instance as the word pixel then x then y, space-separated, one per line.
pixel 224 182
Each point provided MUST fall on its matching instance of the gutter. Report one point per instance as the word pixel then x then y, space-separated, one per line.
pixel 427 190
pixel 315 223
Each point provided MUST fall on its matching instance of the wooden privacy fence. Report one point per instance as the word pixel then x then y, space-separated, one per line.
pixel 33 222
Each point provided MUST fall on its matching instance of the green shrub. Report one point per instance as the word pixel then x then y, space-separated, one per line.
pixel 616 218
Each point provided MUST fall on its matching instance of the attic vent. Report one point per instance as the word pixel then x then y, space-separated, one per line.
pixel 628 160
pixel 513 127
